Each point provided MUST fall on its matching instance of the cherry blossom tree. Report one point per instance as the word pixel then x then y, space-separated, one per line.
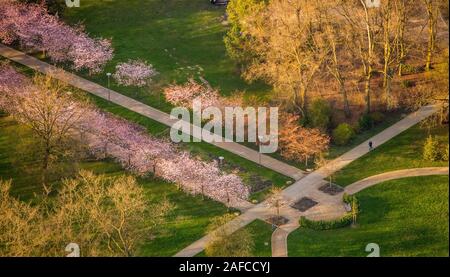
pixel 299 143
pixel 51 114
pixel 90 54
pixel 184 95
pixel 35 29
pixel 134 73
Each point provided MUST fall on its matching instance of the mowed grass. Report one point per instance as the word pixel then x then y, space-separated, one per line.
pixel 185 224
pixel 401 152
pixel 182 39
pixel 261 235
pixel 405 217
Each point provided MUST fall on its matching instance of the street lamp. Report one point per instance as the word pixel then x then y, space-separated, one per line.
pixel 260 139
pixel 109 84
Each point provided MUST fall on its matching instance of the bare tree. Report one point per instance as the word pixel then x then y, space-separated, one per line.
pixel 289 48
pixel 104 216
pixel 48 109
pixel 432 9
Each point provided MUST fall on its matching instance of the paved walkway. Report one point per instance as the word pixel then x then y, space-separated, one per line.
pixel 328 206
pixel 279 237
pixel 393 175
pixel 144 110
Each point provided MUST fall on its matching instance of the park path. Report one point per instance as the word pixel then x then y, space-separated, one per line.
pixel 145 110
pixel 279 237
pixel 328 206
pixel 393 175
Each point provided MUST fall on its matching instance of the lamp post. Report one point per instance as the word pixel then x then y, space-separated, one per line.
pixel 260 139
pixel 109 84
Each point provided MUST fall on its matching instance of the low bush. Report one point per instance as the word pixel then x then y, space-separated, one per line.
pixel 431 150
pixel 344 221
pixel 444 153
pixel 365 122
pixel 343 134
pixel 319 114
pixel 377 117
pixel 410 69
pixel 407 84
pixel 320 225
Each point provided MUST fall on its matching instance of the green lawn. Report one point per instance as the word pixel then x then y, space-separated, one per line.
pixel 261 234
pixel 401 152
pixel 185 224
pixel 182 39
pixel 405 217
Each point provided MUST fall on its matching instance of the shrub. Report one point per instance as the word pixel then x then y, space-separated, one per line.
pixel 407 84
pixel 410 69
pixel 377 117
pixel 344 221
pixel 365 122
pixel 444 152
pixel 319 114
pixel 343 134
pixel 431 150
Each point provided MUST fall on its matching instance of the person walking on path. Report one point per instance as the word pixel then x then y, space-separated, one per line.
pixel 370 145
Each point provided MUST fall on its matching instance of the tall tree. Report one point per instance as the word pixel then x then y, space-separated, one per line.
pixel 288 47
pixel 362 21
pixel 104 216
pixel 49 110
pixel 236 42
pixel 432 10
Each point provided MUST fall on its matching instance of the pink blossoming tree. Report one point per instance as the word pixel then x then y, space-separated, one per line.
pixel 134 73
pixel 34 29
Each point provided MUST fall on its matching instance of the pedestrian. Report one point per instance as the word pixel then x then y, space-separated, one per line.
pixel 370 145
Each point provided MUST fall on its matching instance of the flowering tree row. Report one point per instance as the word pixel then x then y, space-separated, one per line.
pixel 34 28
pixel 128 143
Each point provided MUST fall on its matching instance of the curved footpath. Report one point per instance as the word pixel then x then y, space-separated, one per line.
pixel 393 175
pixel 279 237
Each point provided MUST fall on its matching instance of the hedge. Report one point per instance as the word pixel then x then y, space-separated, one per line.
pixel 344 221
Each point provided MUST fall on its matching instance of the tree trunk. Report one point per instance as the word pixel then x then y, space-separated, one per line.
pixel 390 105
pixel 298 101
pixel 46 162
pixel 431 33
pixel 367 90
pixel 400 41
pixel 343 91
